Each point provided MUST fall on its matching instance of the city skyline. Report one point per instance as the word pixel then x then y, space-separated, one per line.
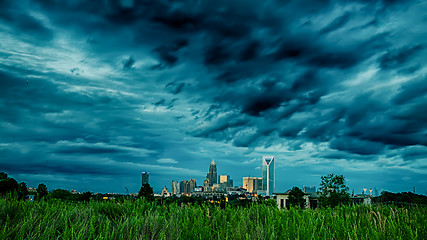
pixel 95 92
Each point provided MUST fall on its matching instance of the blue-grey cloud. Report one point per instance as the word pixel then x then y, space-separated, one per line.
pixel 118 87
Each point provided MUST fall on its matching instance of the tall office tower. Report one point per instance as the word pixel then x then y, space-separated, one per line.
pixel 192 185
pixel 252 184
pixel 212 175
pixel 248 184
pixel 174 187
pixel 225 181
pixel 224 178
pixel 183 187
pixel 145 177
pixel 268 174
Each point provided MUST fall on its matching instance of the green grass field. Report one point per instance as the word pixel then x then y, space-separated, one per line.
pixel 55 219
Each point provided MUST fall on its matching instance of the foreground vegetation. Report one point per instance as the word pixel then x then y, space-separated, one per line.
pixel 141 219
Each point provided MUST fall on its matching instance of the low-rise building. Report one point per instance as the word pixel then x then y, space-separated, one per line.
pixel 165 192
pixel 312 200
pixel 282 200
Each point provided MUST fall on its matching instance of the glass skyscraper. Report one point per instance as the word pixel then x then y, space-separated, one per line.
pixel 268 174
pixel 145 176
pixel 174 188
pixel 212 174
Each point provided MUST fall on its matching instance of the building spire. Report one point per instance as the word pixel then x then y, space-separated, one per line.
pixel 213 162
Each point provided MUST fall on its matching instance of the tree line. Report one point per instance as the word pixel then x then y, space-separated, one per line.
pixel 9 186
pixel 333 192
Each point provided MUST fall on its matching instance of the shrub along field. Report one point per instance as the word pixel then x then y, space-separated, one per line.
pixel 56 219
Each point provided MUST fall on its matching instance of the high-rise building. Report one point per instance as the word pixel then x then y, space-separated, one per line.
pixel 212 174
pixel 191 185
pixel 145 176
pixel 224 178
pixel 225 181
pixel 268 174
pixel 252 184
pixel 247 184
pixel 184 187
pixel 174 188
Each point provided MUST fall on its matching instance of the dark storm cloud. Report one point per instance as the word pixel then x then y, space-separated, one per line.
pixel 217 54
pixel 175 87
pixel 397 58
pixel 414 152
pixel 118 85
pixel 411 90
pixel 246 140
pixel 308 50
pixel 87 150
pixel 26 25
pixel 336 23
pixel 257 105
pixel 250 51
pixel 127 64
pixel 215 128
pixel 63 167
pixel 176 19
pixel 357 146
pixel 294 48
pixel 167 52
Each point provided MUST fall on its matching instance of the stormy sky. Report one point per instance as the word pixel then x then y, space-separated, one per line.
pixel 92 93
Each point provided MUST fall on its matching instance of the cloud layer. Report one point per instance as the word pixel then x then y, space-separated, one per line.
pixel 119 87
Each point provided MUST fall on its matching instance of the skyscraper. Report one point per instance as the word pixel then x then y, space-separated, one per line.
pixel 192 185
pixel 184 187
pixel 225 181
pixel 252 184
pixel 268 174
pixel 174 187
pixel 212 174
pixel 145 176
pixel 224 178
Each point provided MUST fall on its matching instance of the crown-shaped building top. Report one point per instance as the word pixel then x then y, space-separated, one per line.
pixel 212 174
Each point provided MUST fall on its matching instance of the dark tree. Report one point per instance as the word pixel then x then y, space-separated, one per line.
pixel 62 194
pixel 401 199
pixel 86 196
pixel 41 191
pixel 296 198
pixel 3 175
pixel 271 203
pixel 146 192
pixel 333 191
pixel 22 191
pixel 8 185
